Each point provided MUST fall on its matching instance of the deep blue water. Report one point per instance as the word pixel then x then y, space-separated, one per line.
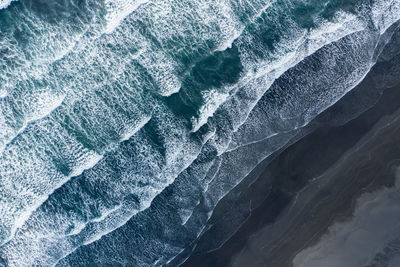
pixel 123 123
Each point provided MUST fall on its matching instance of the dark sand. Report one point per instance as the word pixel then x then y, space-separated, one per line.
pixel 348 159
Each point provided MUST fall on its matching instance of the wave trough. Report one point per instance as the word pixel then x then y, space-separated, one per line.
pixel 130 120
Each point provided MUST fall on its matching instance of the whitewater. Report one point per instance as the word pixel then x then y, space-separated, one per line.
pixel 126 122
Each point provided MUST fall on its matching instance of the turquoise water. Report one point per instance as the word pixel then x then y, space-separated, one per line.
pixel 123 123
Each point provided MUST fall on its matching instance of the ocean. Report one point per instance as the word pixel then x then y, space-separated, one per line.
pixel 123 123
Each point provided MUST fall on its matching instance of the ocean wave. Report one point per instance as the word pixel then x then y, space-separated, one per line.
pixel 117 10
pixel 100 128
pixel 217 188
pixel 5 3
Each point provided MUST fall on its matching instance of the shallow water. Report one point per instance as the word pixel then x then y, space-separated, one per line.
pixel 124 123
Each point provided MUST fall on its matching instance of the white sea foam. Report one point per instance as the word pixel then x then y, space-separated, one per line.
pixel 3 93
pixel 5 3
pixel 258 82
pixel 104 215
pixel 347 85
pixel 40 106
pixel 225 188
pixel 213 99
pixel 85 163
pixel 385 13
pixel 131 129
pixel 23 197
pixel 93 64
pixel 117 10
pixel 301 45
pixel 117 216
pixel 162 69
pixel 81 160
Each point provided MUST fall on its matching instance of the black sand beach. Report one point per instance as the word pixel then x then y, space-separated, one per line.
pixel 312 183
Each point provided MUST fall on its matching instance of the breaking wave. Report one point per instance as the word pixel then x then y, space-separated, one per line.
pixel 5 3
pixel 123 123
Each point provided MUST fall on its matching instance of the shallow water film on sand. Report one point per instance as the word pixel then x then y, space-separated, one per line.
pixel 199 133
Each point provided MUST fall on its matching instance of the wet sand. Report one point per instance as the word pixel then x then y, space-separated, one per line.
pixel 300 191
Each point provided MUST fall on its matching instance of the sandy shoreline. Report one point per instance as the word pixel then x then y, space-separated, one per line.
pixel 276 229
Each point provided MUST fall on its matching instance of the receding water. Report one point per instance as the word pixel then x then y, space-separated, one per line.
pixel 124 122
